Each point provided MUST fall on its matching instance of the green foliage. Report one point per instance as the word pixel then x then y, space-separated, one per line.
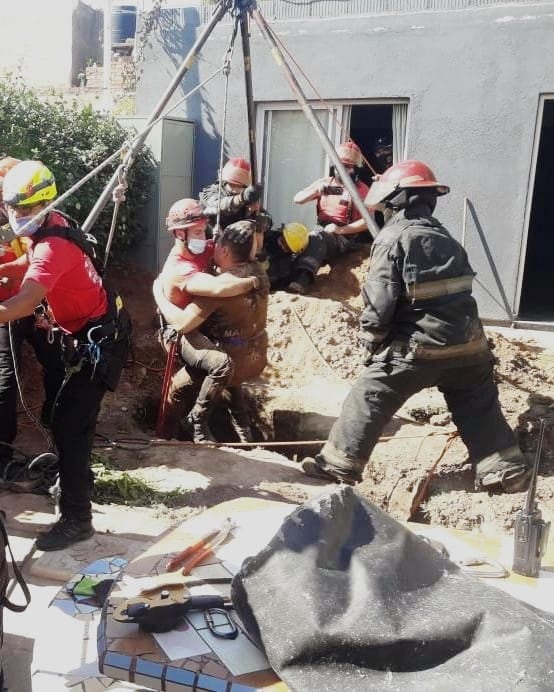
pixel 71 140
pixel 113 485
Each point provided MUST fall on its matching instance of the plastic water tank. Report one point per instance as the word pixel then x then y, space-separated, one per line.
pixel 124 23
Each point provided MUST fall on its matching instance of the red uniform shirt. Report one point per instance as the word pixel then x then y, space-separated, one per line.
pixel 179 270
pixel 339 209
pixel 75 293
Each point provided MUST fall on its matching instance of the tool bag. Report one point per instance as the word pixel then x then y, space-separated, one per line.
pixel 4 581
pixel 344 598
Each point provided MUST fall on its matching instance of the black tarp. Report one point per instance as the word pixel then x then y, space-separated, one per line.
pixel 345 598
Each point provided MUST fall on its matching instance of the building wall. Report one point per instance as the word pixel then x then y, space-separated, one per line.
pixel 473 79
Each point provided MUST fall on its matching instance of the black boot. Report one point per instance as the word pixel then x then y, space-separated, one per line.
pixel 65 532
pixel 316 468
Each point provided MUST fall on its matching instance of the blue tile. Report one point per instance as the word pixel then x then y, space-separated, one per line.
pixel 149 668
pixel 235 687
pixel 180 676
pixel 211 684
pixel 118 660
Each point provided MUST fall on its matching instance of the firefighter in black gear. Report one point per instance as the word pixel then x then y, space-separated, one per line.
pixel 281 251
pixel 239 198
pixel 340 226
pixel 422 329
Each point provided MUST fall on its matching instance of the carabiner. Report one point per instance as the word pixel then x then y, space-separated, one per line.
pixel 231 630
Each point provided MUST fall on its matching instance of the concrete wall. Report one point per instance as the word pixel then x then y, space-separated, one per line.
pixel 473 79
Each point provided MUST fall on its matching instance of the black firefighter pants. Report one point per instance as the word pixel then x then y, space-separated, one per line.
pixel 323 248
pixel 74 422
pixel 73 427
pixel 48 355
pixel 470 393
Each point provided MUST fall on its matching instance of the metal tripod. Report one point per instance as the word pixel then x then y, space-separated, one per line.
pixel 243 9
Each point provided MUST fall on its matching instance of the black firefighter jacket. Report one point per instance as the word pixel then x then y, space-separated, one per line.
pixel 417 295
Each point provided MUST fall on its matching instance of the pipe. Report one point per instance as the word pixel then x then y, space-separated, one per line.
pixel 308 112
pixel 219 11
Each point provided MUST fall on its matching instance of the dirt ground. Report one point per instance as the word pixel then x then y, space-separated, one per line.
pixel 314 355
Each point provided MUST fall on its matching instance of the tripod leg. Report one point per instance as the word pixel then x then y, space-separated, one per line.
pixel 247 58
pixel 219 11
pixel 308 112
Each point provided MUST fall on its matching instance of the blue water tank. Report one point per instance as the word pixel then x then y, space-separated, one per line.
pixel 124 23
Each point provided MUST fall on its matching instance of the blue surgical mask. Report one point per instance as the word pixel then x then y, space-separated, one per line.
pixel 197 246
pixel 17 224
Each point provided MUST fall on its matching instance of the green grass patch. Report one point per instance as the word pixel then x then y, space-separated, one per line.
pixel 113 485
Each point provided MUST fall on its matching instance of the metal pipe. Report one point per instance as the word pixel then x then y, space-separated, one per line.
pixel 219 11
pixel 308 112
pixel 464 224
pixel 251 115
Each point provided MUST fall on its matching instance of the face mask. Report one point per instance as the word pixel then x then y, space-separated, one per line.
pixel 17 224
pixel 196 246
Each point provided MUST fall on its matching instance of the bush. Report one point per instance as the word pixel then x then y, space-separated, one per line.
pixel 71 140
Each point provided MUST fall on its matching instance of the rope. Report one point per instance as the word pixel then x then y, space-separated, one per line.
pixel 26 408
pixel 118 196
pixel 416 504
pixel 133 444
pixel 226 72
pixel 345 133
pixel 119 152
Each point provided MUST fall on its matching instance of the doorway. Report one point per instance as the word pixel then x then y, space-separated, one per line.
pixel 537 302
pixel 371 129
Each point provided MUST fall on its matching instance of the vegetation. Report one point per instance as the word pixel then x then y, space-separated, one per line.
pixel 71 140
pixel 113 485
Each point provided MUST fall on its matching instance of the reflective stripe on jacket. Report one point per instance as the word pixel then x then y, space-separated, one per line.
pixel 418 291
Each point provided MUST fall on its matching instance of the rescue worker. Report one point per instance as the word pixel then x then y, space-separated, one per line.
pixel 237 325
pixel 13 334
pixel 421 327
pixel 95 332
pixel 281 250
pixel 184 276
pixel 339 224
pixel 239 198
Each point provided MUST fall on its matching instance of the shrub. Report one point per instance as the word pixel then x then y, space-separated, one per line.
pixel 71 140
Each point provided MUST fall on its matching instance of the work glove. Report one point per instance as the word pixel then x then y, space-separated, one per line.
pixel 252 193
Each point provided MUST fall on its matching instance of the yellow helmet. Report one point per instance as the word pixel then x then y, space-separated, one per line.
pixel 296 237
pixel 27 184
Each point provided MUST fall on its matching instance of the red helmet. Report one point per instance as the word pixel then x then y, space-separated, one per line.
pixel 184 214
pixel 237 172
pixel 350 154
pixel 406 174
